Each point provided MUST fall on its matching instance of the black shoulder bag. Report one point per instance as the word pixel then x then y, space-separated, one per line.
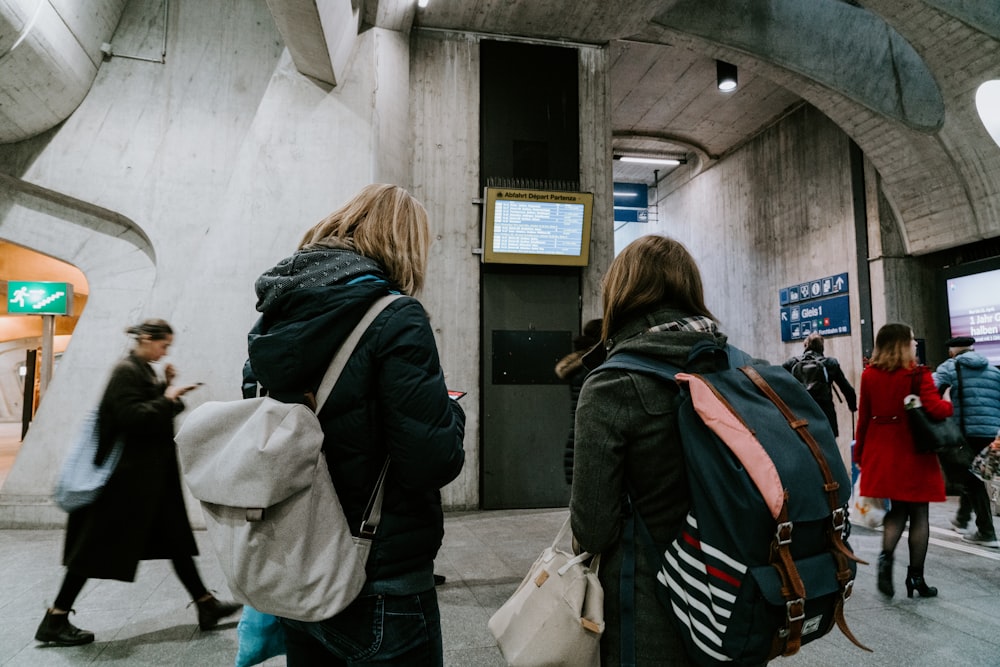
pixel 932 436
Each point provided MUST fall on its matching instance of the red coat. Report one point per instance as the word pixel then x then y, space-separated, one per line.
pixel 890 466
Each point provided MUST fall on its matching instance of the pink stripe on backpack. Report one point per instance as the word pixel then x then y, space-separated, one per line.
pixel 720 418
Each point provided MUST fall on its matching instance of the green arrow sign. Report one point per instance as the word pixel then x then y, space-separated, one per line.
pixel 38 298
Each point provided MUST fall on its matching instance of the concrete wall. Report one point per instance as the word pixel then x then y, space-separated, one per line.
pixel 445 171
pixel 445 126
pixel 174 185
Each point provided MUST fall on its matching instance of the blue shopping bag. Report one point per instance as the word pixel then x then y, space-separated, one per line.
pixel 260 637
pixel 81 480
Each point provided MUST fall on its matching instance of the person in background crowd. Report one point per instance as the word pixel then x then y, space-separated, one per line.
pixel 828 373
pixel 140 514
pixel 975 394
pixel 571 370
pixel 890 465
pixel 391 401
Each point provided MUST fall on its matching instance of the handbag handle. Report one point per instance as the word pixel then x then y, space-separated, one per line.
pixel 580 557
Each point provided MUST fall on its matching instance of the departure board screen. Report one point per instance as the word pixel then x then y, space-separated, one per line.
pixel 537 227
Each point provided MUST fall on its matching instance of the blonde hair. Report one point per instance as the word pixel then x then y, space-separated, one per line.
pixel 651 271
pixel 892 348
pixel 384 223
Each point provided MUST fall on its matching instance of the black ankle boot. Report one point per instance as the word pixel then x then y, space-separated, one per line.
pixel 885 574
pixel 211 611
pixel 56 629
pixel 915 582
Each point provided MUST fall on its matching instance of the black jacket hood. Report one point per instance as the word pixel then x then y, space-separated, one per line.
pixel 295 338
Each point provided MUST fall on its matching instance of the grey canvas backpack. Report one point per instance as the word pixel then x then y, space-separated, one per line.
pixel 271 511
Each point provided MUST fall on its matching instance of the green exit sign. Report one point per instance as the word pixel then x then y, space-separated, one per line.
pixel 38 298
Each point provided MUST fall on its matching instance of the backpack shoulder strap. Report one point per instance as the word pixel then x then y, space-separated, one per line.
pixel 641 363
pixel 347 349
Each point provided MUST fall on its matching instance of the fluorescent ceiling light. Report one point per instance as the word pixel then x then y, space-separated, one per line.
pixel 626 194
pixel 672 162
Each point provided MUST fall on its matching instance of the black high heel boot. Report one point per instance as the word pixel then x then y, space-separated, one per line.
pixel 885 574
pixel 915 582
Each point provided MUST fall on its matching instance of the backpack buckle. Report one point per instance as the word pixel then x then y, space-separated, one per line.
pixel 839 518
pixel 783 533
pixel 848 589
pixel 796 610
pixel 367 531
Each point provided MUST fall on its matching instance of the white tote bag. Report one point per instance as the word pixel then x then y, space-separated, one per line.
pixel 556 615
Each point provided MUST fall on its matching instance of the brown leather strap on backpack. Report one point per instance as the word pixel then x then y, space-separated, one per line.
pixel 834 529
pixel 793 589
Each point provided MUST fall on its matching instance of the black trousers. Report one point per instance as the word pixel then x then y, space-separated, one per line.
pixel 972 492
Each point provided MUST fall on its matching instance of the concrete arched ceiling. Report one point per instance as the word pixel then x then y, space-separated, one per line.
pixel 982 15
pixel 845 48
pixel 944 183
pixel 898 76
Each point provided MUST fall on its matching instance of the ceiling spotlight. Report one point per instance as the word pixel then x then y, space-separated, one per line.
pixel 726 73
pixel 421 3
pixel 671 162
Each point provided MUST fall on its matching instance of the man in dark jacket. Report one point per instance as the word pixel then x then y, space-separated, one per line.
pixel 975 394
pixel 819 374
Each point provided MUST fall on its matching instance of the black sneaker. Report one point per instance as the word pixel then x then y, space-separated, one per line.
pixel 211 611
pixel 56 629
pixel 959 526
pixel 982 540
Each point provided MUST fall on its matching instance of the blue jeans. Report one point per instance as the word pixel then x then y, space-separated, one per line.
pixel 373 630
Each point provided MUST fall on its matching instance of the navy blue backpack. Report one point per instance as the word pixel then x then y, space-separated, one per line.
pixel 761 565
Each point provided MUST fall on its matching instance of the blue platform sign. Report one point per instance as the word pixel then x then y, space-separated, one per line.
pixel 631 202
pixel 813 289
pixel 829 316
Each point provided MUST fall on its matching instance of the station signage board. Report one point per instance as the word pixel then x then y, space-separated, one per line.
pixel 39 298
pixel 816 306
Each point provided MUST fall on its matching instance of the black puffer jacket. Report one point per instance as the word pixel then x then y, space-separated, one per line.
pixel 390 400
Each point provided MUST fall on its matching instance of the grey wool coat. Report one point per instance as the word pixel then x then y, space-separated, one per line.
pixel 627 436
pixel 140 515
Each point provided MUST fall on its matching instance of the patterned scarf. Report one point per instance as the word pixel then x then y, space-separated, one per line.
pixel 316 267
pixel 696 323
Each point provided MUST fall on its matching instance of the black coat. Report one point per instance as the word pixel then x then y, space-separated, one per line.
pixel 140 515
pixel 390 400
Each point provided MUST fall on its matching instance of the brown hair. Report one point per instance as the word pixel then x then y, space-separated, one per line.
pixel 651 271
pixel 892 347
pixel 384 223
pixel 154 329
pixel 814 342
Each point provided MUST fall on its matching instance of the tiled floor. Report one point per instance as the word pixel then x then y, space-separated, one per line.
pixel 485 555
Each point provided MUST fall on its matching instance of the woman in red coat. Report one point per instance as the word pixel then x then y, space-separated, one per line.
pixel 890 465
